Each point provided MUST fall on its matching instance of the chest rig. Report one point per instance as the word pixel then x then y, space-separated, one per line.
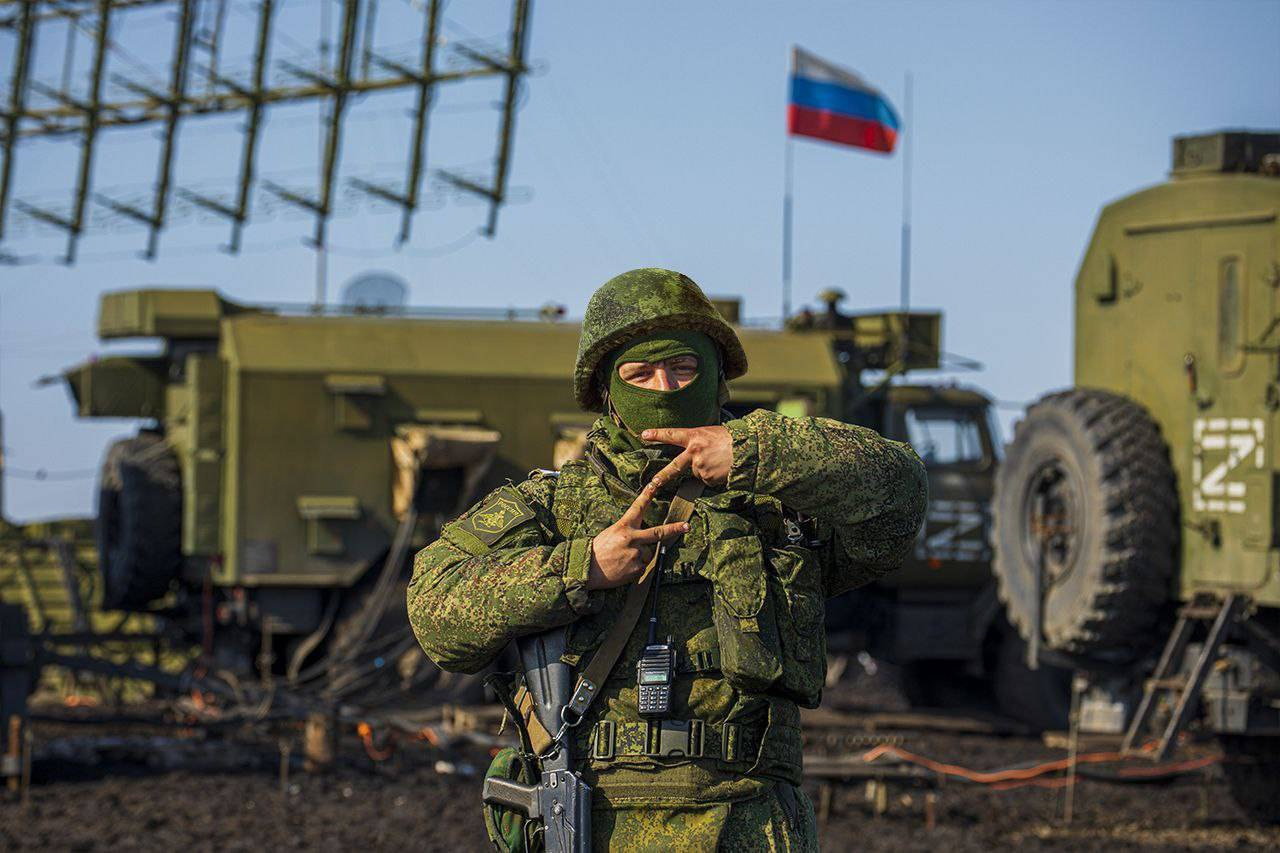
pixel 741 594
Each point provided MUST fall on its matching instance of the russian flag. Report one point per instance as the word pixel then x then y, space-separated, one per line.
pixel 834 104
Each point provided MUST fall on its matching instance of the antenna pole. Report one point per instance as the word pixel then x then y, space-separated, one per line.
pixel 906 200
pixel 322 278
pixel 788 181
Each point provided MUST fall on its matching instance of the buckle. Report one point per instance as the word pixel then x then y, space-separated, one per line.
pixel 730 741
pixel 703 661
pixel 583 692
pixel 697 739
pixel 602 743
pixel 675 739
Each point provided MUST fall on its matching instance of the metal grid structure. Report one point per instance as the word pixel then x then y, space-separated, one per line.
pixel 198 87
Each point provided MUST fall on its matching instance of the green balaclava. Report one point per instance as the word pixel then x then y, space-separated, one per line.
pixel 696 404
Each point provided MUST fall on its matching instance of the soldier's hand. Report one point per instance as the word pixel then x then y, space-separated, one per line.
pixel 620 552
pixel 708 453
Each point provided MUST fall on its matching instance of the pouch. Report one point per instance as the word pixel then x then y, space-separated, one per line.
pixel 509 830
pixel 746 623
pixel 795 587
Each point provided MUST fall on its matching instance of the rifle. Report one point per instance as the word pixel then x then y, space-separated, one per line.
pixel 560 801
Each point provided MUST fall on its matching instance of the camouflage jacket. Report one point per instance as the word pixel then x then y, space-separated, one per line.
pixel 813 507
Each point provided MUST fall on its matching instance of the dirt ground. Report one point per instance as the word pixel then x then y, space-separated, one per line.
pixel 115 786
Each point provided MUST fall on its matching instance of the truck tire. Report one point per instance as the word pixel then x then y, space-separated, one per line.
pixel 1252 768
pixel 139 524
pixel 1089 474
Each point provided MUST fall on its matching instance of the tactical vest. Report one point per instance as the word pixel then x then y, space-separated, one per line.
pixel 742 599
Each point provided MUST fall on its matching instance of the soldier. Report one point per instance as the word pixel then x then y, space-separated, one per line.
pixel 793 511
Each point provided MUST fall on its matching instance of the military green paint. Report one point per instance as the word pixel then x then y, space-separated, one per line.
pixel 119 386
pixel 274 421
pixel 278 413
pixel 1148 303
pixel 159 313
pixel 201 453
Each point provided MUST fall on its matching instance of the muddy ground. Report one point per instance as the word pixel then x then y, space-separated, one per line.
pixel 132 786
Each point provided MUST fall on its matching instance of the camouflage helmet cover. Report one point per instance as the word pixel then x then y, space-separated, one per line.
pixel 640 302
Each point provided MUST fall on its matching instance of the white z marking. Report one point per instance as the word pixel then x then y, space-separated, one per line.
pixel 1243 440
pixel 948 532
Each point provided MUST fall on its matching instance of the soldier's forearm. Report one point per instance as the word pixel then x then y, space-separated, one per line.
pixel 841 473
pixel 871 491
pixel 465 608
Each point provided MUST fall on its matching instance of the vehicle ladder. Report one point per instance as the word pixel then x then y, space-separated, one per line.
pixel 1166 681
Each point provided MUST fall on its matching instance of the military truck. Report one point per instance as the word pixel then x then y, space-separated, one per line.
pixel 1137 514
pixel 290 463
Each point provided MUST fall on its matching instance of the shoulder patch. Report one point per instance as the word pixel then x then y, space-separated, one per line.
pixel 502 511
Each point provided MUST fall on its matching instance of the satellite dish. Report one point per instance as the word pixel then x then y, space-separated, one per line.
pixel 376 292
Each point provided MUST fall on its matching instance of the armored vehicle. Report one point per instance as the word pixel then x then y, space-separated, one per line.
pixel 291 462
pixel 1137 529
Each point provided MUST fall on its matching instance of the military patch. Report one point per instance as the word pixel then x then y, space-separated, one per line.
pixel 502 511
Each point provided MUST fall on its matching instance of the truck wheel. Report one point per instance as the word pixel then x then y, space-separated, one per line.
pixel 1086 488
pixel 1041 698
pixel 139 523
pixel 1252 768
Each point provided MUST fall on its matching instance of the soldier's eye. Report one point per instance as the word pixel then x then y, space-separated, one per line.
pixel 685 366
pixel 634 370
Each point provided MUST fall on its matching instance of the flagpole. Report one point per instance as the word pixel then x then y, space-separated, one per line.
pixel 789 170
pixel 906 199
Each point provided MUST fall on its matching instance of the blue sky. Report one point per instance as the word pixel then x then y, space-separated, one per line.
pixel 652 134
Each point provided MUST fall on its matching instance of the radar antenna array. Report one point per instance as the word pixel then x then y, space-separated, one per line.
pixel 197 87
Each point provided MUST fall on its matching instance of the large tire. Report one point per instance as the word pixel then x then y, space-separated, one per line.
pixel 1088 482
pixel 139 523
pixel 1252 768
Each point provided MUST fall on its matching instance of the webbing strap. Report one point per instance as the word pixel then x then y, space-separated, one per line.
pixel 603 661
pixel 540 739
pixel 672 739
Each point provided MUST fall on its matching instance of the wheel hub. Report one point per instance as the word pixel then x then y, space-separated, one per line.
pixel 1052 507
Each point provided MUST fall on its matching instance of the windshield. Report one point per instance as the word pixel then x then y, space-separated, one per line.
pixel 946 436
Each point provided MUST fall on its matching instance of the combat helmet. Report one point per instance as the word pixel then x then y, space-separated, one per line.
pixel 637 303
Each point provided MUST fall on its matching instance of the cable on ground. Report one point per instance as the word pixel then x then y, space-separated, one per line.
pixel 1018 777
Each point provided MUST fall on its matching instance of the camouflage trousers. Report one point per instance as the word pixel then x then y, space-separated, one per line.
pixel 781 821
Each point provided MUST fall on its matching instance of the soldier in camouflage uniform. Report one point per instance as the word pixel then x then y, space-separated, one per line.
pixel 795 510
